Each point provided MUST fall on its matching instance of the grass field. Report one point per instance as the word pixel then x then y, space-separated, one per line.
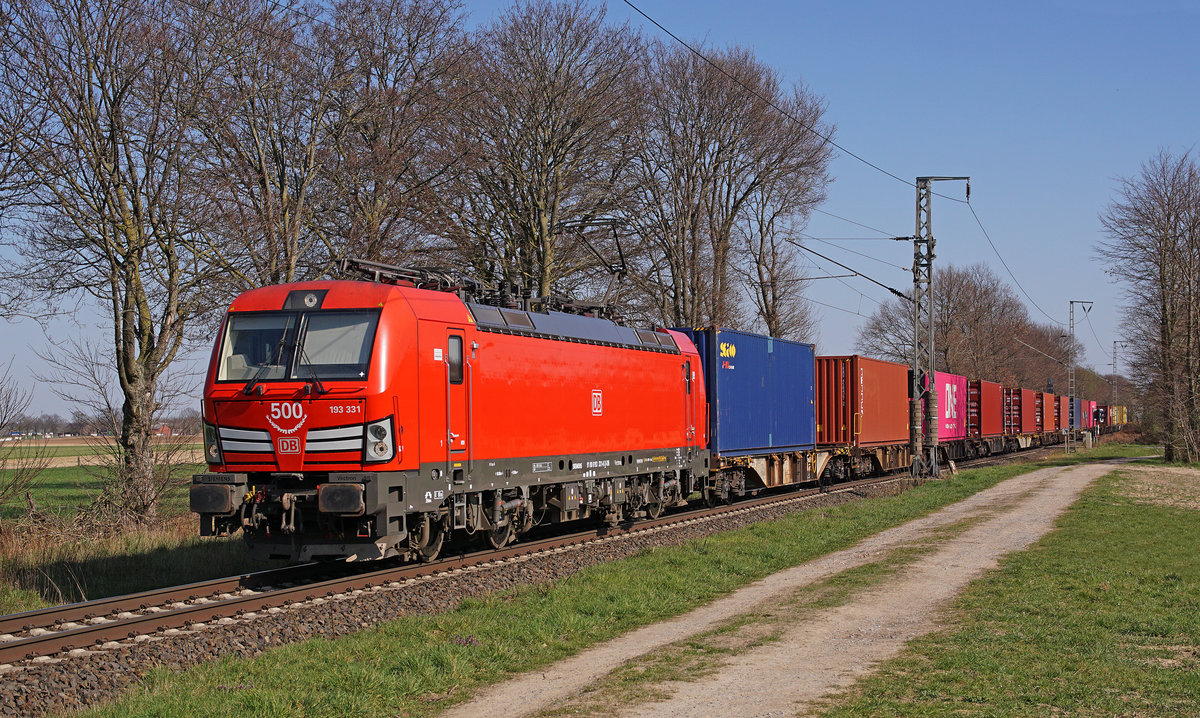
pixel 65 490
pixel 81 446
pixel 39 568
pixel 1101 617
pixel 417 664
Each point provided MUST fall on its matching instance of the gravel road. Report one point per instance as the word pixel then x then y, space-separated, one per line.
pixel 832 648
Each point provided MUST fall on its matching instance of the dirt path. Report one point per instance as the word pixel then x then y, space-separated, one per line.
pixel 831 648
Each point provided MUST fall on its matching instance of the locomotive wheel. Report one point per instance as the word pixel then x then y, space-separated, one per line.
pixel 654 508
pixel 499 536
pixel 426 542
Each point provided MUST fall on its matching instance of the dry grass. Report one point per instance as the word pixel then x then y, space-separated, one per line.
pixel 1175 486
pixel 48 564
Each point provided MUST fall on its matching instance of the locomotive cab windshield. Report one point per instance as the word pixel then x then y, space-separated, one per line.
pixel 315 346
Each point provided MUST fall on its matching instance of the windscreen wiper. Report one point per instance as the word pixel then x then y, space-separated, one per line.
pixel 251 385
pixel 315 384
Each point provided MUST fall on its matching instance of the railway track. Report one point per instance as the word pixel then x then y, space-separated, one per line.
pixel 107 623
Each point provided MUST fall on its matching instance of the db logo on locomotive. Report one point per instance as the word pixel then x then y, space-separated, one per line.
pixel 288 445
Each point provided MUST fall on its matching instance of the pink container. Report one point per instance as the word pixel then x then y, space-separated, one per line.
pixel 952 406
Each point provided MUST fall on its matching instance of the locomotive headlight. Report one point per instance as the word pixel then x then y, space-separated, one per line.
pixel 380 443
pixel 212 445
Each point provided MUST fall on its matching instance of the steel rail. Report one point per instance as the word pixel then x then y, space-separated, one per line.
pixel 175 616
pixel 112 605
pixel 172 615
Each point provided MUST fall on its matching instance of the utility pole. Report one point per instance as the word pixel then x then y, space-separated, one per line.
pixel 1070 443
pixel 923 429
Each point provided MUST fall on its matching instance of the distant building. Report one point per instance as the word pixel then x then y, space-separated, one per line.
pixel 162 430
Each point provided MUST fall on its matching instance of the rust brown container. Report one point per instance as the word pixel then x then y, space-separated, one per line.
pixel 861 401
pixel 1048 415
pixel 985 409
pixel 1029 417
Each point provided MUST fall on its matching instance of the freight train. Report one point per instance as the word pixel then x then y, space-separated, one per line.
pixel 378 416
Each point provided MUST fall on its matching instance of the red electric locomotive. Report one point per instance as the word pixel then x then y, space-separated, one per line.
pixel 363 419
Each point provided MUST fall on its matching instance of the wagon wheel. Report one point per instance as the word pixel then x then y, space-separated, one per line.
pixel 426 541
pixel 654 507
pixel 713 497
pixel 499 536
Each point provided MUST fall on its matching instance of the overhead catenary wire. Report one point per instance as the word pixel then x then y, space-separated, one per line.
pixel 1087 316
pixel 851 251
pixel 870 279
pixel 856 156
pixel 1039 351
pixel 886 235
pixel 844 283
pixel 779 109
pixel 832 306
pixel 988 237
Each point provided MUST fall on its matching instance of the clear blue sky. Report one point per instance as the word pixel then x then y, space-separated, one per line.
pixel 1043 104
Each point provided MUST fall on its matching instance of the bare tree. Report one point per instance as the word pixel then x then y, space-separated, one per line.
pixel 113 88
pixel 1153 248
pixel 775 281
pixel 405 60
pixel 981 330
pixel 22 458
pixel 712 144
pixel 794 178
pixel 269 123
pixel 82 374
pixel 544 141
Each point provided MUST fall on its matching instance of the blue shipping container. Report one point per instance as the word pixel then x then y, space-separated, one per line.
pixel 1076 413
pixel 760 390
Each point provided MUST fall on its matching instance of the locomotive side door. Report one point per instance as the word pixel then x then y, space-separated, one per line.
pixel 689 407
pixel 458 407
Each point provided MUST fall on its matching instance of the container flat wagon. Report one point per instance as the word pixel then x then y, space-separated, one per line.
pixel 761 424
pixel 862 415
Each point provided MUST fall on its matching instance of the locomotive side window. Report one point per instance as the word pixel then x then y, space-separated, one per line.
pixel 456 359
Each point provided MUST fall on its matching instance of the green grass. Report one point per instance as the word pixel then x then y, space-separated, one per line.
pixel 416 665
pixel 1101 617
pixel 99 448
pixel 65 490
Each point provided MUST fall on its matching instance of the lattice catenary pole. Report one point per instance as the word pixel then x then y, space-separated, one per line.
pixel 923 426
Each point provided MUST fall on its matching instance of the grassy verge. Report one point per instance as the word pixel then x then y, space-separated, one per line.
pixel 47 564
pixel 1101 617
pixel 417 665
pixel 41 572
